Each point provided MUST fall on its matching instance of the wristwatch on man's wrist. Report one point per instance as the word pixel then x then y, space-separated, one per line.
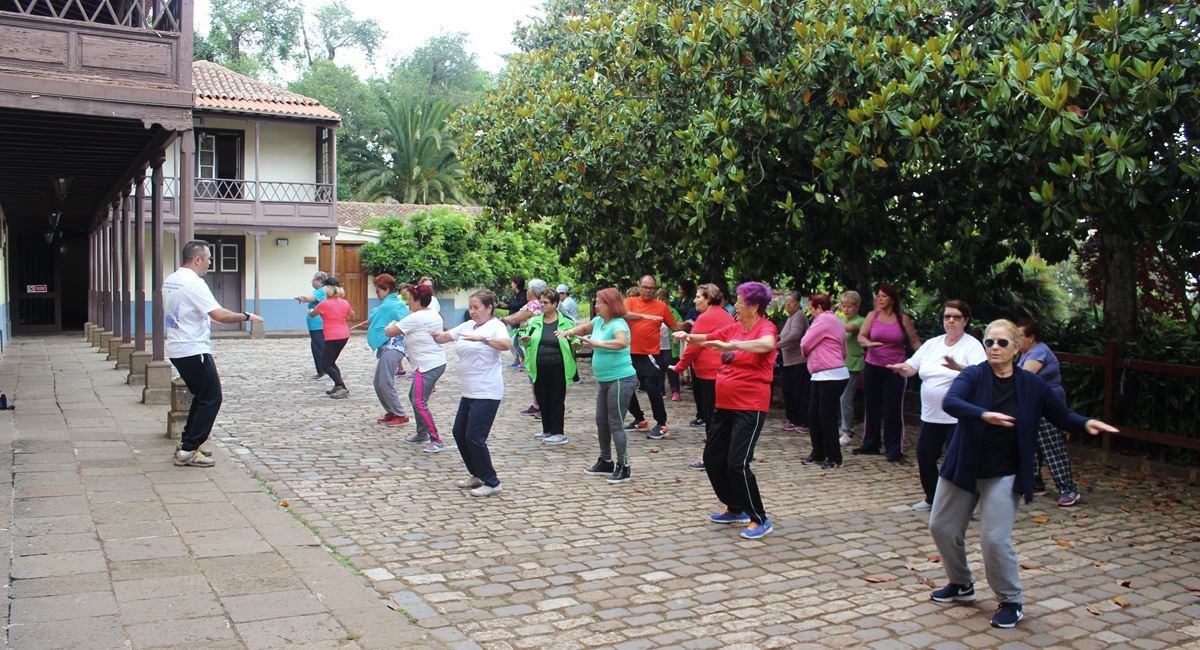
pixel 247 315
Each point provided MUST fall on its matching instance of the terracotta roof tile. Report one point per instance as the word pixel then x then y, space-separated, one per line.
pixel 354 214
pixel 220 89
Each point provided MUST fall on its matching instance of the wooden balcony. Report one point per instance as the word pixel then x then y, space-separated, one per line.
pixel 110 58
pixel 256 205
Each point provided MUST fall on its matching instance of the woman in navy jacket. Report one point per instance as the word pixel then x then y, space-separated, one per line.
pixel 990 461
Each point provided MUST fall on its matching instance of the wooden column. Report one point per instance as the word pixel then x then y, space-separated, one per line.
pixel 105 286
pixel 258 215
pixel 92 311
pixel 256 329
pixel 187 187
pixel 126 285
pixel 332 254
pixel 139 262
pixel 156 254
pixel 115 264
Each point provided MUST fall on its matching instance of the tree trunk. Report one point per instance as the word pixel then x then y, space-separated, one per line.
pixel 1118 259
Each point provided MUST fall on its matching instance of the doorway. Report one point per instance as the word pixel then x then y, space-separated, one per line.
pixel 350 272
pixel 224 277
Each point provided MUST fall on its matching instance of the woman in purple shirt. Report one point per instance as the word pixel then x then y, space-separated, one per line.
pixel 1038 358
pixel 883 335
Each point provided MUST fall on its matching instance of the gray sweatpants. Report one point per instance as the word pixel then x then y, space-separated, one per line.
pixel 948 522
pixel 847 404
pixel 612 402
pixel 385 380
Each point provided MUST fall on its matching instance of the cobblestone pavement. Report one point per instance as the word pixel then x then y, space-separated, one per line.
pixel 564 560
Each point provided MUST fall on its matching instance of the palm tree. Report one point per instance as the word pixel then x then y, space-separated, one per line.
pixel 412 160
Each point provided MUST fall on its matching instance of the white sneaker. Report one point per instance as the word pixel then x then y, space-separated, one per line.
pixel 485 491
pixel 975 513
pixel 193 459
pixel 540 434
pixel 922 506
pixel 843 440
pixel 468 483
pixel 556 439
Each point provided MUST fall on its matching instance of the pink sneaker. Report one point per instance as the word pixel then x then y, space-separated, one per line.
pixel 788 426
pixel 675 396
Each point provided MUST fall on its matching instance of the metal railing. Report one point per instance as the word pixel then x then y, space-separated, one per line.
pixel 235 189
pixel 159 15
pixel 1137 398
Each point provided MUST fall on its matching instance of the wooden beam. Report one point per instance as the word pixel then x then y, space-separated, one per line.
pixel 139 261
pixel 156 247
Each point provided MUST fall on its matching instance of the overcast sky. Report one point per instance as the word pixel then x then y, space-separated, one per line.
pixel 409 23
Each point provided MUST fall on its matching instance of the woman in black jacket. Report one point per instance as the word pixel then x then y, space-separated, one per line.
pixel 990 462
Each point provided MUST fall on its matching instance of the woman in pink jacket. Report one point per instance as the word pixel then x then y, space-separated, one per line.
pixel 824 345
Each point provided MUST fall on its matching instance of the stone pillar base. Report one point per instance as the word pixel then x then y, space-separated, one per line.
pixel 94 335
pixel 103 340
pixel 87 331
pixel 158 383
pixel 123 353
pixel 114 344
pixel 257 331
pixel 137 367
pixel 181 402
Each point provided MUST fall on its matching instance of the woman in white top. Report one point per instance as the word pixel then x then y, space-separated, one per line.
pixel 938 362
pixel 479 342
pixel 427 356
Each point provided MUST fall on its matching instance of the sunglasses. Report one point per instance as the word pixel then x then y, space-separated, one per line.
pixel 953 317
pixel 987 343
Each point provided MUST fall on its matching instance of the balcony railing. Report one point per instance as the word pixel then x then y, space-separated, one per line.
pixel 159 15
pixel 232 189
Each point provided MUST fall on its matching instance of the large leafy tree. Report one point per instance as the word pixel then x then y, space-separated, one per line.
pixel 441 67
pixel 412 159
pixel 251 36
pixel 334 28
pixel 842 143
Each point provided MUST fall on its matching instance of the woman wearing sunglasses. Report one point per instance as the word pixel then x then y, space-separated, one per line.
pixel 990 462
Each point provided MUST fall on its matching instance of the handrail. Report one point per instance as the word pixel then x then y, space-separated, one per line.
pixel 157 15
pixel 238 189
pixel 1113 366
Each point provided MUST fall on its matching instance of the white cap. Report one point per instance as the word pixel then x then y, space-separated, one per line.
pixel 562 288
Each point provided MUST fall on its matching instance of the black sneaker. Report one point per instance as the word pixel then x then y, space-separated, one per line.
pixel 637 424
pixel 954 593
pixel 659 432
pixel 601 467
pixel 698 422
pixel 1008 615
pixel 620 474
pixel 863 451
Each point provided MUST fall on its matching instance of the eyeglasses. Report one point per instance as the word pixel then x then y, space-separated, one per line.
pixel 953 317
pixel 987 343
pixel 645 288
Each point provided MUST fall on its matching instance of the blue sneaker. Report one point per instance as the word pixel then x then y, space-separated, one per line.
pixel 758 531
pixel 729 517
pixel 1008 615
pixel 954 593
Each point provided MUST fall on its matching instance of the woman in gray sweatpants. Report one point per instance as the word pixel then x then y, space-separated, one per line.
pixel 608 336
pixel 990 462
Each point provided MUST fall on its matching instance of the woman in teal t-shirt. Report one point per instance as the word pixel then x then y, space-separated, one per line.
pixel 613 367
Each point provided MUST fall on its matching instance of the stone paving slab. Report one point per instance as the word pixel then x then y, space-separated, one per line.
pixel 111 546
pixel 564 560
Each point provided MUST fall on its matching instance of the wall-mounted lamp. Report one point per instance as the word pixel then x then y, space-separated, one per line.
pixel 281 242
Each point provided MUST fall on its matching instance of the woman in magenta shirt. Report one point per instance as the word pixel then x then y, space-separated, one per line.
pixel 334 312
pixel 882 335
pixel 743 398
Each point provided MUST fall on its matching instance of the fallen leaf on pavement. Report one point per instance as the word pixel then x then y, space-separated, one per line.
pixel 283 504
pixel 1065 544
pixel 652 450
pixel 1125 583
pixel 1040 520
pixel 925 581
pixel 879 578
pixel 935 558
pixel 1080 515
pixel 1122 601
pixel 1092 610
pixel 1030 564
pixel 1124 508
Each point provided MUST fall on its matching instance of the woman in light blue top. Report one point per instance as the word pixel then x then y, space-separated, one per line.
pixel 389 350
pixel 608 336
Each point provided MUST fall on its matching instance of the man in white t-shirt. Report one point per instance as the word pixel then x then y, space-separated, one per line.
pixel 189 309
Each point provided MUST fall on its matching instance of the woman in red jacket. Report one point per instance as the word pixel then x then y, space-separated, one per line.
pixel 704 361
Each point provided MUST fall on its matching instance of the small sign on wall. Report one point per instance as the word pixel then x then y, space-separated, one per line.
pixel 35 288
pixel 310 260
